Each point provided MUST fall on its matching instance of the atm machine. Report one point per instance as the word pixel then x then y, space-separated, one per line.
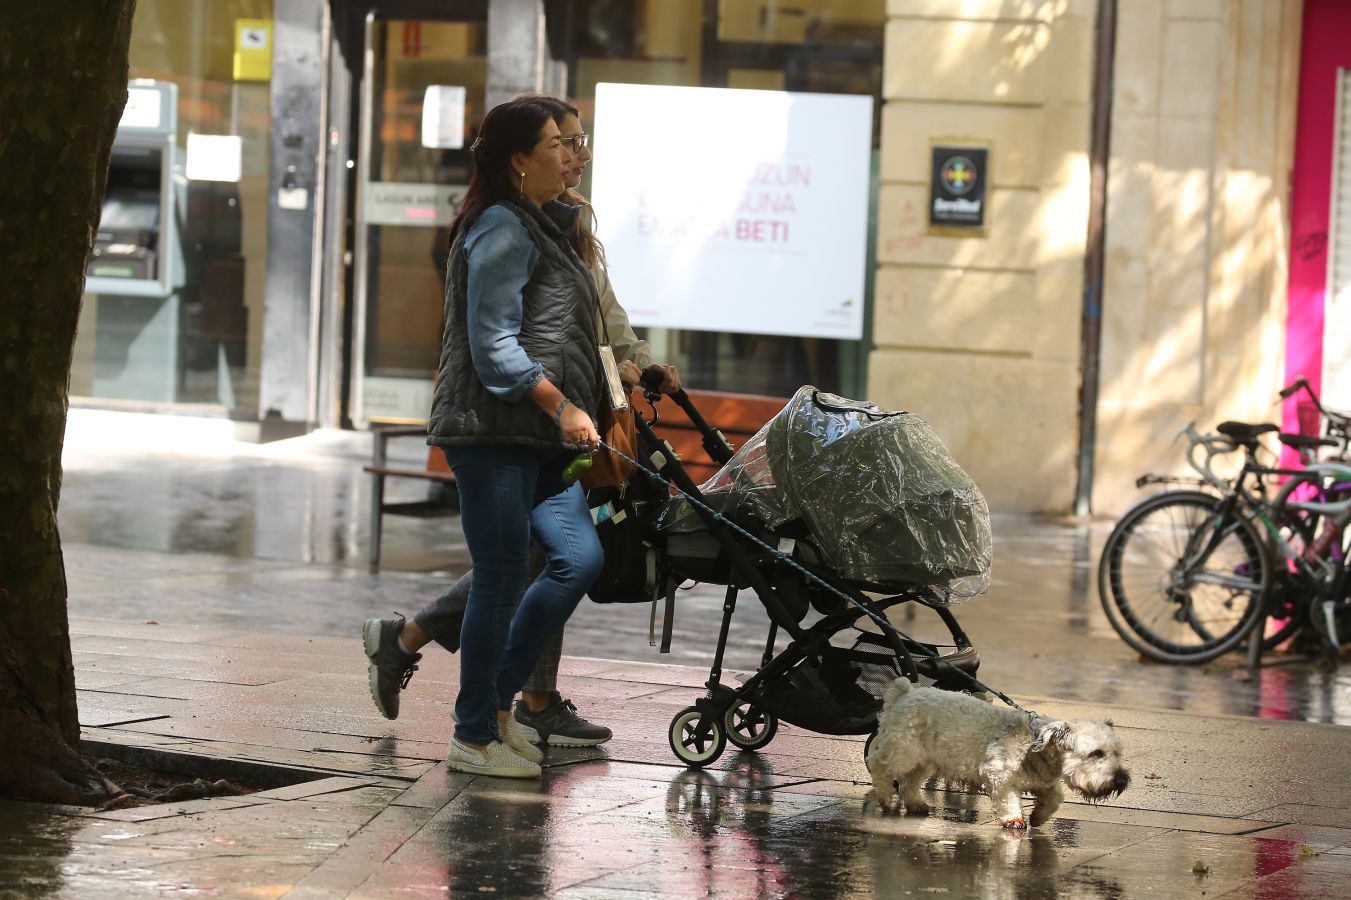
pixel 136 269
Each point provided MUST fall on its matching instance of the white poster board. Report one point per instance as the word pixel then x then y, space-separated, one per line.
pixel 1336 382
pixel 734 210
pixel 443 116
pixel 214 157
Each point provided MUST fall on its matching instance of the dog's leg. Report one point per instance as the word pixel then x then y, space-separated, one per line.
pixel 884 789
pixel 911 782
pixel 1007 804
pixel 1047 802
pixel 884 782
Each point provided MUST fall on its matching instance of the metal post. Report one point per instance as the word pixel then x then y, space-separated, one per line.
pixel 290 296
pixel 518 52
pixel 1095 253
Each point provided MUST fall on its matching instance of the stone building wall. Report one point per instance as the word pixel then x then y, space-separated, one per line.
pixel 981 335
pixel 1197 236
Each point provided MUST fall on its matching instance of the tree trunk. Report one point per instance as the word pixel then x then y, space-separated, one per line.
pixel 63 84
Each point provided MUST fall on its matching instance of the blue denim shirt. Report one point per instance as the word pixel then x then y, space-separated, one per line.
pixel 501 258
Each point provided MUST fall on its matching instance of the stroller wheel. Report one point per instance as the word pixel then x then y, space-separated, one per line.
pixel 750 727
pixel 696 741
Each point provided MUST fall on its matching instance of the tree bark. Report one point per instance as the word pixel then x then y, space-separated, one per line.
pixel 63 84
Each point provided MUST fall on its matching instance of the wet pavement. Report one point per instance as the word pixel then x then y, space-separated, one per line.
pixel 205 530
pixel 1263 807
pixel 251 561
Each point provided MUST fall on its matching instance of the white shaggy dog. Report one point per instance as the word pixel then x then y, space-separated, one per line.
pixel 924 732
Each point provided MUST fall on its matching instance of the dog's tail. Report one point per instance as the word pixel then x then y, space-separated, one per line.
pixel 899 688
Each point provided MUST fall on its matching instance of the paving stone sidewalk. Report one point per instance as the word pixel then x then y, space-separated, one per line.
pixel 369 809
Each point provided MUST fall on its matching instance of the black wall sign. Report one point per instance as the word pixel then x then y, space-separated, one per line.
pixel 957 189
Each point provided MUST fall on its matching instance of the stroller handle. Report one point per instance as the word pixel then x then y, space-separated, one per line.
pixel 715 443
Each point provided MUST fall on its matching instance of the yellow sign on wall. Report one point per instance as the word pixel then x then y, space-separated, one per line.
pixel 253 49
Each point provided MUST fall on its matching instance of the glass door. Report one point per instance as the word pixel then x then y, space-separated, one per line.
pixel 422 89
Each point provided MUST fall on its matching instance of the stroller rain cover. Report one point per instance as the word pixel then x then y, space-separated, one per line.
pixel 884 501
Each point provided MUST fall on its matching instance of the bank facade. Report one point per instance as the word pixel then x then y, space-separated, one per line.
pixel 1129 209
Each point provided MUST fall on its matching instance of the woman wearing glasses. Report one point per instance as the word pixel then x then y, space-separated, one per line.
pixel 517 392
pixel 543 715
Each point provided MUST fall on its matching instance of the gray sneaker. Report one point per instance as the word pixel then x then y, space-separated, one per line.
pixel 558 725
pixel 390 667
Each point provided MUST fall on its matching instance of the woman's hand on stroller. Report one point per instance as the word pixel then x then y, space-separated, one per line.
pixel 663 379
pixel 629 374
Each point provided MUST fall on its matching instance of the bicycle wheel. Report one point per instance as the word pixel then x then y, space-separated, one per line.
pixel 1177 583
pixel 1312 555
pixel 1288 596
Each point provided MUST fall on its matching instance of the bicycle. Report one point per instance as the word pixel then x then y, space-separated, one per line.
pixel 1317 578
pixel 1188 575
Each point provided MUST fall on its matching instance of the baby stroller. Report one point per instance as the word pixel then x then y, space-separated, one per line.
pixel 834 513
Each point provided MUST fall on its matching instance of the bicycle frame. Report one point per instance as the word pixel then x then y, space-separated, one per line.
pixel 1213 445
pixel 1303 571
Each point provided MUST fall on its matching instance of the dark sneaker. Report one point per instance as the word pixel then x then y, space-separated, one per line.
pixel 558 725
pixel 390 667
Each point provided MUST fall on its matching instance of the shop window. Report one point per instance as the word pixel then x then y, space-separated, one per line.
pixel 808 46
pixel 197 340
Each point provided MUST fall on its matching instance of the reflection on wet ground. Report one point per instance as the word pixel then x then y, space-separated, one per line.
pixel 274 538
pixel 719 833
pixel 1263 805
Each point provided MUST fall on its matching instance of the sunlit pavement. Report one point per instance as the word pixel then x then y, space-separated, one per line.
pixel 252 562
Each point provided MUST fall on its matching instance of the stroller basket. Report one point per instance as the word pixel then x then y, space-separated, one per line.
pixel 839 690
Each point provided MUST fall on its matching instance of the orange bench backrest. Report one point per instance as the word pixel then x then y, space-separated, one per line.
pixel 737 416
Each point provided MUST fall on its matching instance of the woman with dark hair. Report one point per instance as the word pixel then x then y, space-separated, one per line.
pixel 543 714
pixel 517 392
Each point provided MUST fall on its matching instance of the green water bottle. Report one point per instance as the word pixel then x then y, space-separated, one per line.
pixel 580 465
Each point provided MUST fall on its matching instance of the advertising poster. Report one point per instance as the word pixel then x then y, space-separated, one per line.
pixel 734 210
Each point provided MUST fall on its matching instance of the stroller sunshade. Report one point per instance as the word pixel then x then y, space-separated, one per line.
pixel 883 500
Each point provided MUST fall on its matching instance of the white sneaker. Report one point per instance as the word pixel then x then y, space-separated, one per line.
pixel 512 737
pixel 496 759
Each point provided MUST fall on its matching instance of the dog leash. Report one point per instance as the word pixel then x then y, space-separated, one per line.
pixel 787 560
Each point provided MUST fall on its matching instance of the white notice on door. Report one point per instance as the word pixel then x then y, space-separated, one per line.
pixel 443 117
pixel 214 157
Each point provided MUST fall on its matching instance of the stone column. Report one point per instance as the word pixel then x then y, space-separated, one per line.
pixel 518 53
pixel 1197 246
pixel 290 293
pixel 980 335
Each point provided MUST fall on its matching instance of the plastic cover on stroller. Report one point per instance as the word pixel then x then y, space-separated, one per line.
pixel 883 500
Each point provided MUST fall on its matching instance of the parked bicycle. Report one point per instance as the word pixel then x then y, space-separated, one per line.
pixel 1191 573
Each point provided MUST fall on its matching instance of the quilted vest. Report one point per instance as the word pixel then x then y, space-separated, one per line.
pixel 558 330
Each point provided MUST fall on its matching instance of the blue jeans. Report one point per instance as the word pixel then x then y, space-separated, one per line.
pixel 509 495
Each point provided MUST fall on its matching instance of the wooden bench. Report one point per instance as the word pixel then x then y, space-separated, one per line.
pixel 436 471
pixel 737 416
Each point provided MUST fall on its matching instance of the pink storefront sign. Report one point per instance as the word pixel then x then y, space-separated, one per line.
pixel 1324 50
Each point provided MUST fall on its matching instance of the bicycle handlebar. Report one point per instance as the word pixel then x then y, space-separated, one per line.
pixel 1293 388
pixel 1213 445
pixel 1338 423
pixel 1338 511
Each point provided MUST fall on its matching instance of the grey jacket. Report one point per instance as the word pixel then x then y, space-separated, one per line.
pixel 544 327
